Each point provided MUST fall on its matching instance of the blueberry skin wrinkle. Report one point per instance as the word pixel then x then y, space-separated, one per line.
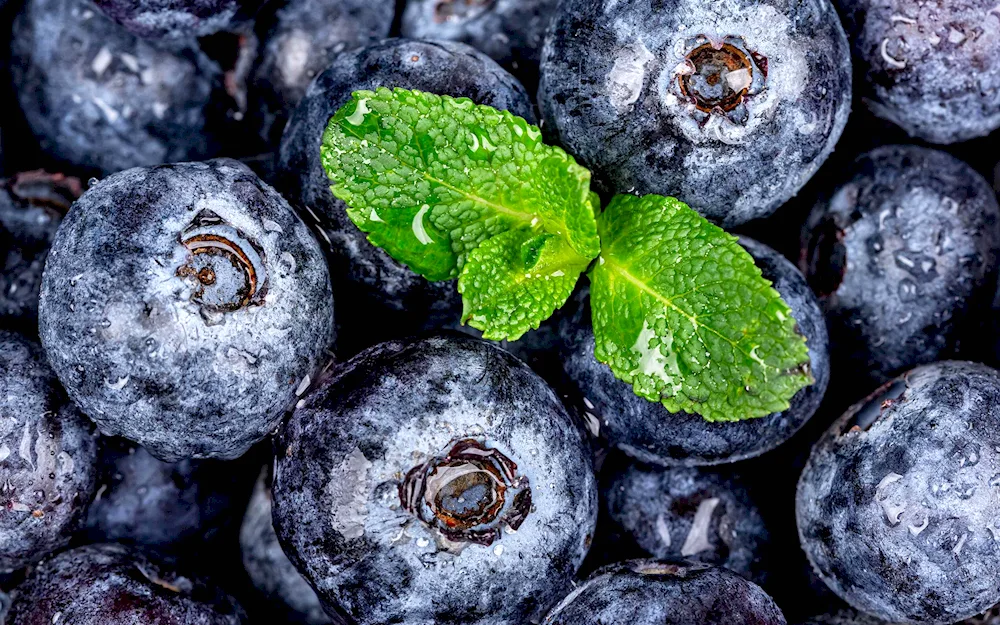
pixel 111 585
pixel 647 431
pixel 133 323
pixel 49 457
pixel 365 275
pixel 100 98
pixel 898 516
pixel 646 592
pixel 900 254
pixel 342 458
pixel 930 68
pixel 610 93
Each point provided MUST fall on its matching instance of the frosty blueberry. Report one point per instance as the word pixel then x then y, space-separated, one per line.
pixel 435 480
pixel 686 513
pixel 647 431
pixel 48 457
pixel 930 69
pixel 303 38
pixel 176 18
pixel 110 585
pixel 185 307
pixel 387 299
pixel 729 107
pixel 99 98
pixel 646 592
pixel 900 254
pixel 896 506
pixel 32 205
pixel 270 570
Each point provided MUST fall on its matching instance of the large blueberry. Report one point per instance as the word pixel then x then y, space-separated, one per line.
pixel 510 31
pixel 896 507
pixel 272 573
pixel 646 592
pixel 902 255
pixel 387 300
pixel 32 205
pixel 185 307
pixel 48 457
pixel 110 585
pixel 647 431
pixel 435 481
pixel 176 18
pixel 302 38
pixel 99 98
pixel 932 69
pixel 687 513
pixel 728 106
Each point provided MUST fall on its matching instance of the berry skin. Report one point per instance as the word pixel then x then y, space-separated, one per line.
pixel 176 19
pixel 931 69
pixel 270 570
pixel 896 507
pixel 435 481
pixel 730 107
pixel 111 585
pixel 96 97
pixel 646 431
pixel 901 255
pixel 510 31
pixel 302 40
pixel 48 457
pixel 185 307
pixel 387 299
pixel 32 205
pixel 685 513
pixel 646 592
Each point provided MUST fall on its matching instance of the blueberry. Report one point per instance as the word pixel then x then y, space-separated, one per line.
pixel 176 18
pixel 646 592
pixel 110 585
pixel 896 507
pixel 387 299
pixel 302 40
pixel 843 617
pixel 900 255
pixel 99 98
pixel 645 429
pixel 932 70
pixel 435 481
pixel 32 205
pixel 185 307
pixel 48 457
pixel 687 513
pixel 178 509
pixel 272 573
pixel 730 107
pixel 510 31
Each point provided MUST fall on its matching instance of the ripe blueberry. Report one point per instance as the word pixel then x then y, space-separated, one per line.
pixel 185 307
pixel 176 18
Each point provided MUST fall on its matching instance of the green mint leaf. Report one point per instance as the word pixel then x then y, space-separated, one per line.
pixel 430 178
pixel 516 280
pixel 681 312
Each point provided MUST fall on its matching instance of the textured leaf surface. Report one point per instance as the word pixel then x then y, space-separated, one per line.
pixel 430 178
pixel 681 312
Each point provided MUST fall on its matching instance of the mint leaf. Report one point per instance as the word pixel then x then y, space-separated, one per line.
pixel 515 280
pixel 681 312
pixel 431 178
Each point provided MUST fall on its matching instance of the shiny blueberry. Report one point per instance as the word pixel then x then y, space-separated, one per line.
pixel 896 507
pixel 728 106
pixel 387 299
pixel 185 307
pixel 435 481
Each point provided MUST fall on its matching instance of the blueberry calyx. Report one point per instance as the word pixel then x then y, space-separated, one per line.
pixel 718 76
pixel 468 494
pixel 460 10
pixel 227 268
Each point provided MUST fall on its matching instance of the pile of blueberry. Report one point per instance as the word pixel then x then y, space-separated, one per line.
pixel 220 404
